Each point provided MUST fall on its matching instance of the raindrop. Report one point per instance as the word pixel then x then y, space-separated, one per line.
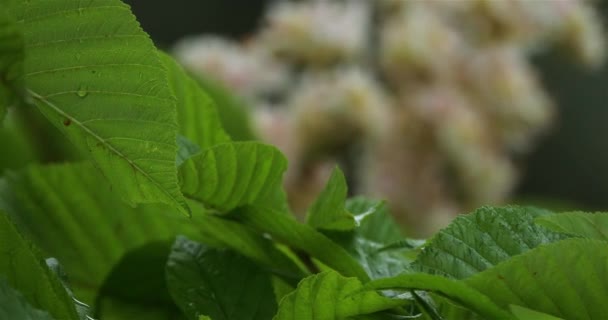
pixel 82 92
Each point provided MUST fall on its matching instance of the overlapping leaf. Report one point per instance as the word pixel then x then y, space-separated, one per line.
pixel 580 224
pixel 455 290
pixel 566 279
pixel 96 75
pixel 218 283
pixel 72 214
pixel 330 296
pixel 196 112
pixel 25 271
pixel 482 239
pixel 285 229
pixel 231 175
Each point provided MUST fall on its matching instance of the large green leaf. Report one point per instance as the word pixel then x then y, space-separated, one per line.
pixel 455 290
pixel 231 175
pixel 218 283
pixel 197 113
pixel 329 295
pixel 72 214
pixel 14 306
pixel 328 211
pixel 11 63
pixel 96 75
pixel 580 224
pixel 482 239
pixel 285 229
pixel 566 279
pixel 522 313
pixel 26 271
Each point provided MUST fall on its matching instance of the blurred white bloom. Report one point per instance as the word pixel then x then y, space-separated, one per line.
pixel 250 71
pixel 335 109
pixel 509 94
pixel 317 32
pixel 416 42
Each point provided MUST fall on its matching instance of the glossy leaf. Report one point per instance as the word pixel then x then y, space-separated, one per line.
pixel 328 211
pixel 329 295
pixel 480 240
pixel 96 76
pixel 579 224
pixel 218 283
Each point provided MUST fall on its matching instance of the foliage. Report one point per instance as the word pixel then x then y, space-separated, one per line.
pixel 156 148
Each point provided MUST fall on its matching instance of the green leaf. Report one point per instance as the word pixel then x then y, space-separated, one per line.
pixel 27 272
pixel 579 224
pixel 196 113
pixel 455 290
pixel 522 313
pixel 96 76
pixel 565 279
pixel 231 175
pixel 233 111
pixel 11 63
pixel 285 229
pixel 328 211
pixel 329 295
pixel 482 239
pixel 14 306
pixel 73 214
pixel 70 208
pixel 218 283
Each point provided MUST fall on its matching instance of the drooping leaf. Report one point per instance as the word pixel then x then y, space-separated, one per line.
pixel 231 175
pixel 96 75
pixel 73 214
pixel 218 283
pixel 70 209
pixel 482 239
pixel 285 229
pixel 82 309
pixel 566 279
pixel 24 269
pixel 11 63
pixel 14 306
pixel 455 290
pixel 522 313
pixel 196 113
pixel 579 224
pixel 328 211
pixel 329 295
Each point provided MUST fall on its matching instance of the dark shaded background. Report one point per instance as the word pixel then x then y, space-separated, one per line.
pixel 570 163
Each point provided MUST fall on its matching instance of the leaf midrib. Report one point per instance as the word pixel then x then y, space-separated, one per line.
pixel 102 141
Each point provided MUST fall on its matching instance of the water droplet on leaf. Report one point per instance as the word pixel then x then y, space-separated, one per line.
pixel 82 92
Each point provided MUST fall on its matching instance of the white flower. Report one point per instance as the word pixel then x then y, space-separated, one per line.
pixel 249 71
pixel 317 32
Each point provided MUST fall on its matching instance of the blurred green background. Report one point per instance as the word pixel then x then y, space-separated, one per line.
pixel 569 166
